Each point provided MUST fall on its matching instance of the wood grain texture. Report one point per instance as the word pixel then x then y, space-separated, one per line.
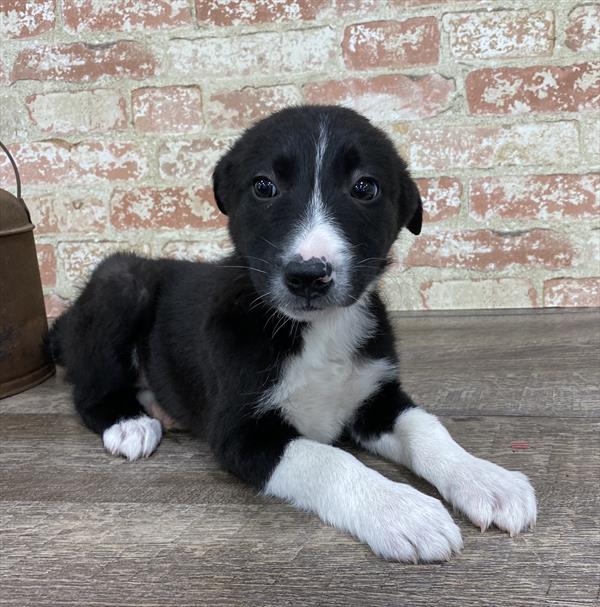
pixel 79 527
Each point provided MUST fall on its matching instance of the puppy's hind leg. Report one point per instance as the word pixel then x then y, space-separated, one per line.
pixel 96 339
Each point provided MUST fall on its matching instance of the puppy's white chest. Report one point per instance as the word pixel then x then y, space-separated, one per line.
pixel 322 386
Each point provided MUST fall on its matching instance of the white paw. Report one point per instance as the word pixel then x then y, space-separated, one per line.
pixel 133 438
pixel 404 524
pixel 489 494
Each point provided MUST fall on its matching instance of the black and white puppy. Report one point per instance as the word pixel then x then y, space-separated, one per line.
pixel 284 347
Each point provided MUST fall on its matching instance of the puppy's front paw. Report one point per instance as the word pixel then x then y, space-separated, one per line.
pixel 133 438
pixel 404 524
pixel 489 494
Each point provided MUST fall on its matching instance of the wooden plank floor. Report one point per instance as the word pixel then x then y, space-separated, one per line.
pixel 82 528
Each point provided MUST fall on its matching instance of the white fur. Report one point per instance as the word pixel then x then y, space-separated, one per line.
pixel 485 492
pixel 322 386
pixel 318 236
pixel 133 438
pixel 395 520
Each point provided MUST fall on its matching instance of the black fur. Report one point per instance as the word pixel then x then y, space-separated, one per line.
pixel 208 336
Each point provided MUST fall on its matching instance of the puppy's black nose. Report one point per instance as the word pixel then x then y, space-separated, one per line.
pixel 310 278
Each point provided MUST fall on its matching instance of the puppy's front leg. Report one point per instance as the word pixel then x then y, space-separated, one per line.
pixel 391 426
pixel 395 520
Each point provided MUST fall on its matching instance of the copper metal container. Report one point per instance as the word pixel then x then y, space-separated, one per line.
pixel 23 326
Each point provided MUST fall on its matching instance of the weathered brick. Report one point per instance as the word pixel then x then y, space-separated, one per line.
pixel 38 162
pixel 473 294
pixel 240 108
pixel 108 161
pixel 125 15
pixel 192 159
pixel 368 7
pixel 213 245
pixel 169 208
pixel 485 250
pixel 63 211
pixel 395 44
pixel 583 29
pixel 59 161
pixel 79 62
pixel 26 18
pixel 77 259
pixel 238 12
pixel 591 140
pixel 261 52
pixel 55 305
pixel 535 197
pixel 386 98
pixel 441 198
pixel 514 90
pixel 477 146
pixel 167 109
pixel 47 262
pixel 571 292
pixel 503 33
pixel 78 111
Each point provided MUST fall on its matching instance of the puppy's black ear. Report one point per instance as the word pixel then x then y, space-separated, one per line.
pixel 412 199
pixel 220 179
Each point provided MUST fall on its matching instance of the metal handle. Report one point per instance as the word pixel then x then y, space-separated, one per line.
pixel 14 165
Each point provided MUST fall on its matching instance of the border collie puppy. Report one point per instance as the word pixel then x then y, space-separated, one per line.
pixel 281 349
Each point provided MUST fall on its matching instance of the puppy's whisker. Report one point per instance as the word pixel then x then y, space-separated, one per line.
pixel 243 268
pixel 269 242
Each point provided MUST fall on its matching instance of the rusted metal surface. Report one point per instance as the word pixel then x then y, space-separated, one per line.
pixel 23 325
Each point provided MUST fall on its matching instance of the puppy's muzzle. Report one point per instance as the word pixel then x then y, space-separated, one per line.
pixel 309 279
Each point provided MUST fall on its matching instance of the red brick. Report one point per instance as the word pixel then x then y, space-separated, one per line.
pixel 76 260
pixel 71 112
pixel 167 109
pixel 513 90
pixel 58 161
pixel 192 159
pixel 240 108
pixel 441 198
pixel 485 250
pixel 79 62
pixel 41 162
pixel 169 208
pixel 26 18
pixel 55 305
pixel 445 147
pixel 485 35
pixel 472 294
pixel 241 12
pixel 583 29
pixel 270 53
pixel 213 245
pixel 64 211
pixel 47 262
pixel 572 292
pixel 386 98
pixel 393 44
pixel 125 15
pixel 535 197
pixel 108 161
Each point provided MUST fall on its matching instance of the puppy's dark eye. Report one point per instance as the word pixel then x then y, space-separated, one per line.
pixel 264 187
pixel 365 189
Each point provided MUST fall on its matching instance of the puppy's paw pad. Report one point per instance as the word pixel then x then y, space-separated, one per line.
pixel 491 495
pixel 133 438
pixel 406 525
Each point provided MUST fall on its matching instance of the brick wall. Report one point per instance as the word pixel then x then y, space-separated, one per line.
pixel 118 109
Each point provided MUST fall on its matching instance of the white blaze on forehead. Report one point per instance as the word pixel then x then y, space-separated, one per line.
pixel 319 236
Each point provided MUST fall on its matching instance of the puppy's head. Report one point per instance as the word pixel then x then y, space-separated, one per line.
pixel 315 197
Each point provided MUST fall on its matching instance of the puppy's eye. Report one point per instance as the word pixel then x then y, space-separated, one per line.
pixel 264 187
pixel 365 189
